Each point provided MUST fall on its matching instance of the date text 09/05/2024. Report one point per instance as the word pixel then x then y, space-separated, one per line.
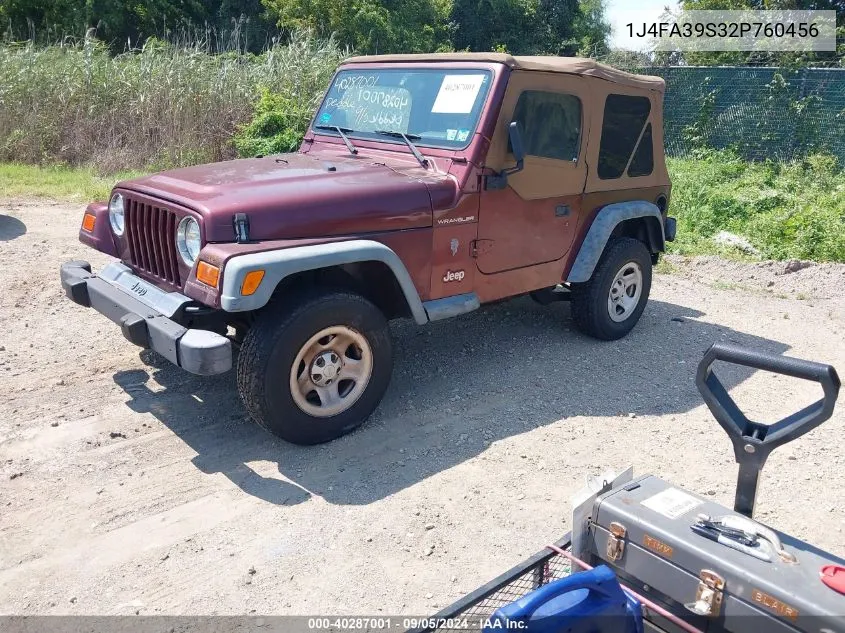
pixel 405 623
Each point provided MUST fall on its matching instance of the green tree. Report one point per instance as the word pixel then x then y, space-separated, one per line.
pixel 531 27
pixel 591 29
pixel 485 25
pixel 558 19
pixel 370 26
pixel 22 19
pixel 127 24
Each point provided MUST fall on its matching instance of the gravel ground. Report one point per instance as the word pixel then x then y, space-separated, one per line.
pixel 128 486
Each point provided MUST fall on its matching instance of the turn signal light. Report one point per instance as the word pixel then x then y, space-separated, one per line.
pixel 208 274
pixel 88 222
pixel 251 282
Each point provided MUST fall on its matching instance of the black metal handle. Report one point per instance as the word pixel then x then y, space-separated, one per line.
pixel 752 441
pixel 786 365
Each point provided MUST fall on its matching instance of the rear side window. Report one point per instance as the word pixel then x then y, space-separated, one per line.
pixel 550 123
pixel 624 118
pixel 642 163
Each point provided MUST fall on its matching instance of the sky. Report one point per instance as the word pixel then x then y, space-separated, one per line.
pixel 622 12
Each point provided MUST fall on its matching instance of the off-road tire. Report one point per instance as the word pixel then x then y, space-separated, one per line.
pixel 589 299
pixel 271 346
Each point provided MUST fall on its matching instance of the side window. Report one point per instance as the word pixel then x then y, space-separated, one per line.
pixel 550 123
pixel 642 163
pixel 624 118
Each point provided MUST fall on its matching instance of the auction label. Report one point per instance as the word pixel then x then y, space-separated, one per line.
pixel 672 503
pixel 457 94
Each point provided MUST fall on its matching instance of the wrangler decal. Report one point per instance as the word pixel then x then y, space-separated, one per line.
pixel 468 218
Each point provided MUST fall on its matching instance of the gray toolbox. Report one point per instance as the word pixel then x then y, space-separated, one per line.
pixel 643 530
pixel 717 568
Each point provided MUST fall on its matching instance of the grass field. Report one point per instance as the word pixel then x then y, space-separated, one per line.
pixel 792 210
pixel 786 210
pixel 73 184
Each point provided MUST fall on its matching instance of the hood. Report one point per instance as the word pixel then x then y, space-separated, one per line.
pixel 298 196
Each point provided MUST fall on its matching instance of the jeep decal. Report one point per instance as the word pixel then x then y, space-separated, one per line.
pixel 457 275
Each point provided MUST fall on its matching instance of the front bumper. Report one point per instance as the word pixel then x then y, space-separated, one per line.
pixel 197 351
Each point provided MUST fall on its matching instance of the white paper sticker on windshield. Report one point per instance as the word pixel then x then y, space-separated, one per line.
pixel 672 503
pixel 457 94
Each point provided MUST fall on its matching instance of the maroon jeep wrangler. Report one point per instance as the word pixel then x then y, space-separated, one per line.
pixel 426 186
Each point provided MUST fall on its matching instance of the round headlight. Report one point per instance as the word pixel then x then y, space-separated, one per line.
pixel 116 214
pixel 188 240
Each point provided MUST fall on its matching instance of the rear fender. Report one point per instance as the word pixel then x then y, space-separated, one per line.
pixel 605 222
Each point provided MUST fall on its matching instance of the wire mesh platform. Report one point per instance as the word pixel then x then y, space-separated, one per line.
pixel 474 608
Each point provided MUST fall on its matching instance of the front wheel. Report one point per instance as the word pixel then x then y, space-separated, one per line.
pixel 314 368
pixel 609 305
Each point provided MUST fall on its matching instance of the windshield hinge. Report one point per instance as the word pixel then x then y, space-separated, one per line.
pixel 241 224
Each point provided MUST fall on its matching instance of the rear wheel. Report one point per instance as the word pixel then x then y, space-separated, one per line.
pixel 315 368
pixel 609 305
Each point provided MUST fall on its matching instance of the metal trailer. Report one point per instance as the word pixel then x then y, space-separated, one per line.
pixel 535 571
pixel 753 442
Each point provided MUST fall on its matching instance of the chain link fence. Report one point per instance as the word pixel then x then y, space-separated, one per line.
pixel 759 112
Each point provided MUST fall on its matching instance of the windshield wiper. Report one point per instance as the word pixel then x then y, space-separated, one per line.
pixel 343 131
pixel 407 138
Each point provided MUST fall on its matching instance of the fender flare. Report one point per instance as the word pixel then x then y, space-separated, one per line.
pixel 601 229
pixel 278 264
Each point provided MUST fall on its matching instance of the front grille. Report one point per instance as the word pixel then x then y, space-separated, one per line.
pixel 151 234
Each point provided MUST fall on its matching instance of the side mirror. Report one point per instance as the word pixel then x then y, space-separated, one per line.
pixel 515 136
pixel 500 180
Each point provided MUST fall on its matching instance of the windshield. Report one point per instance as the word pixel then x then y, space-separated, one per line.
pixel 437 108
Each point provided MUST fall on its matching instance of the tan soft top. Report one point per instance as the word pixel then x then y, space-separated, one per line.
pixel 570 65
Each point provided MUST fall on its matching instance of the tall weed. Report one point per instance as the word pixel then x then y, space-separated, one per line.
pixel 786 209
pixel 162 106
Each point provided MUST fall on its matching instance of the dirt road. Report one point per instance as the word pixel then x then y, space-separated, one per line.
pixel 128 486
